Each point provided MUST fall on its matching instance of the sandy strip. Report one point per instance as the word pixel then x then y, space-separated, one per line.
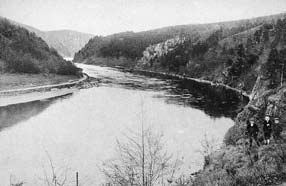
pixel 35 96
pixel 12 97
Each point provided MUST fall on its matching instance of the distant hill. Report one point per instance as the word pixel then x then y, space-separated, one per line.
pixel 23 51
pixel 66 42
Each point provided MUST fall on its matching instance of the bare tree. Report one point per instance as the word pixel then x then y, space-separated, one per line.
pixel 183 181
pixel 209 145
pixel 54 177
pixel 17 184
pixel 127 168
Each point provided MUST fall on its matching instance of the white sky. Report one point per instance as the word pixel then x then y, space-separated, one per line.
pixel 103 17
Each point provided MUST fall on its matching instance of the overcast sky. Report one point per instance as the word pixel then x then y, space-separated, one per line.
pixel 102 17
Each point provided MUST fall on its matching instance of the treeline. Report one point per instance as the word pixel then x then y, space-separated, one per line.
pixel 275 67
pixel 24 52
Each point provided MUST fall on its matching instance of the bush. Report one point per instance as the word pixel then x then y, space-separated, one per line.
pixel 233 134
pixel 240 166
pixel 67 68
pixel 23 64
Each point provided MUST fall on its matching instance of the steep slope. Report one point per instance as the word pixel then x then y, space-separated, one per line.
pixel 131 45
pixel 66 42
pixel 23 51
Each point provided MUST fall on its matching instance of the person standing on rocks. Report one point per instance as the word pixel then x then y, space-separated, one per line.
pixel 267 129
pixel 277 129
pixel 252 132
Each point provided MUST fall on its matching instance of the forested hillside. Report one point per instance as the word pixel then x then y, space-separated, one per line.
pixel 66 42
pixel 233 58
pixel 23 51
pixel 131 45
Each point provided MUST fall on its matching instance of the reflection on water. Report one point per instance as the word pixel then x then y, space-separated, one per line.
pixel 80 130
pixel 13 114
pixel 215 102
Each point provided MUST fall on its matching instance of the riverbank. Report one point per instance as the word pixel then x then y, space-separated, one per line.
pixel 128 66
pixel 36 93
pixel 236 163
pixel 183 77
pixel 12 81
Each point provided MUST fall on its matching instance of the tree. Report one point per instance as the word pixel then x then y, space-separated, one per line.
pixel 240 50
pixel 55 177
pixel 282 56
pixel 272 65
pixel 141 160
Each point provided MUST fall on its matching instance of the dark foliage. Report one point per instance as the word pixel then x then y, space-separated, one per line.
pixel 131 45
pixel 24 52
pixel 274 68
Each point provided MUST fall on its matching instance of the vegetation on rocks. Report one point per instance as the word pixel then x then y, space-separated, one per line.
pixel 236 163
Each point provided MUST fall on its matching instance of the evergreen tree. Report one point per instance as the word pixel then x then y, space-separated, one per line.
pixel 272 66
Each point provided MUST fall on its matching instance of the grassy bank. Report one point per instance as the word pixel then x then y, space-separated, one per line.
pixel 9 81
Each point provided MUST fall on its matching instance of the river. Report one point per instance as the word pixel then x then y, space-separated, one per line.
pixel 78 132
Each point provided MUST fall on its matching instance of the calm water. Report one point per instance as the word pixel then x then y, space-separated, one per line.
pixel 79 131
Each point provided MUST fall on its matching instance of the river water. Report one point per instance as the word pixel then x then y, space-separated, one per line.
pixel 78 132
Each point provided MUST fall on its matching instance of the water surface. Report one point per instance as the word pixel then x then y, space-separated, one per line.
pixel 79 131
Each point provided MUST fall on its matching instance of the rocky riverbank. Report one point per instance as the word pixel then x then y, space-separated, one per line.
pixel 237 164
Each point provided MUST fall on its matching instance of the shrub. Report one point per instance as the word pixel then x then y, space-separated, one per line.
pixel 67 68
